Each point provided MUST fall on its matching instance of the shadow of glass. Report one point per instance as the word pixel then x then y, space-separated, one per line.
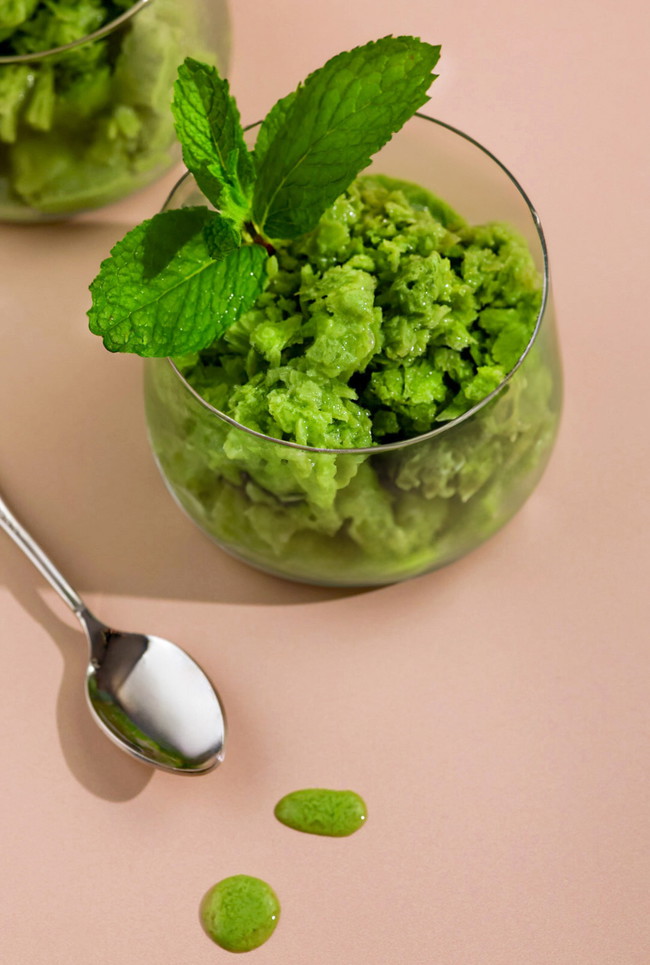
pixel 77 466
pixel 96 763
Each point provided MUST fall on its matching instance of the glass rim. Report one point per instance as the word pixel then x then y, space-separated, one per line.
pixel 88 38
pixel 446 426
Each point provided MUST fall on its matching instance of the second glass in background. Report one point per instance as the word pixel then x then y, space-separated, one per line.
pixel 89 122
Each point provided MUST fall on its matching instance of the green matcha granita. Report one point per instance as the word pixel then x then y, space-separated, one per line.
pixel 391 317
pixel 378 331
pixel 91 124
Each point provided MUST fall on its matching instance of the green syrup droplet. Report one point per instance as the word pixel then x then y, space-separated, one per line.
pixel 240 913
pixel 320 811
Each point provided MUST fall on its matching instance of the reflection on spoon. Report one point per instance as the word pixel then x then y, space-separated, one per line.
pixel 145 693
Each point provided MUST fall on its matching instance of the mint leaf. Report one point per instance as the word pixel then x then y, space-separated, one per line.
pixel 164 237
pixel 220 237
pixel 191 300
pixel 211 135
pixel 342 114
pixel 272 124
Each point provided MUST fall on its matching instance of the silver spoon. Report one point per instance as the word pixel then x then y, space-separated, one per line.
pixel 145 693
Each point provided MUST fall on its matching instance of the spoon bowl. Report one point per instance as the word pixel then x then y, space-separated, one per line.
pixel 153 700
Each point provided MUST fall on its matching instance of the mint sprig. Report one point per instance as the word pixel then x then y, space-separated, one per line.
pixel 177 281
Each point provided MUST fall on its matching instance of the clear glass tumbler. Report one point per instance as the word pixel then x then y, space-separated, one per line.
pixel 88 122
pixel 362 517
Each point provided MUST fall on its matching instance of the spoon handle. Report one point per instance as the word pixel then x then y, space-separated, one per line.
pixel 32 550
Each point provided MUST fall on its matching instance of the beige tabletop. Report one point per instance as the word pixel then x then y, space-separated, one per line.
pixel 494 715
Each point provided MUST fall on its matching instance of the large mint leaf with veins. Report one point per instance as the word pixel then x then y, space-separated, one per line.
pixel 322 136
pixel 162 293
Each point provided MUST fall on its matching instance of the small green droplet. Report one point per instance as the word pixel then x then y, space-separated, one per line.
pixel 240 913
pixel 321 811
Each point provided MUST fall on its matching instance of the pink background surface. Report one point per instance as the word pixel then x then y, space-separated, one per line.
pixel 494 714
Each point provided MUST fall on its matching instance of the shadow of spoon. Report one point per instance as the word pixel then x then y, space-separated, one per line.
pixel 94 762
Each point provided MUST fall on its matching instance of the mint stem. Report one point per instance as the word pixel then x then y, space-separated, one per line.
pixel 257 238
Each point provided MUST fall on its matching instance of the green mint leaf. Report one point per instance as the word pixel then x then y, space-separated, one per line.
pixel 209 129
pixel 220 237
pixel 164 237
pixel 271 125
pixel 342 114
pixel 187 303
